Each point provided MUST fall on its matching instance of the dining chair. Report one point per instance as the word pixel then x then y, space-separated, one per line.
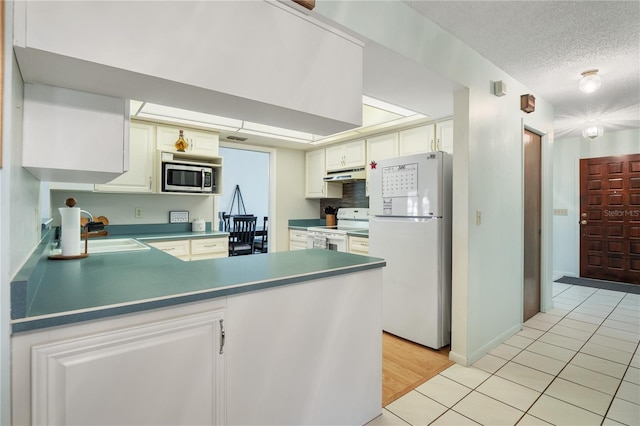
pixel 261 243
pixel 244 233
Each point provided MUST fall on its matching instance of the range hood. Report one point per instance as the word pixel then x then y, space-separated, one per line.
pixel 346 175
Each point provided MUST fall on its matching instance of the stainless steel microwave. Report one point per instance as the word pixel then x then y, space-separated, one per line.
pixel 188 177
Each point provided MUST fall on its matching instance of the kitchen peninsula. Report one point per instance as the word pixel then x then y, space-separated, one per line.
pixel 143 337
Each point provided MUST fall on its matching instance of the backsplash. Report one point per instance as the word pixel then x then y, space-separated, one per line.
pixel 354 194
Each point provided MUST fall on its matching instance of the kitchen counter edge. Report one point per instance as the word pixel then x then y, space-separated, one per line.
pixel 204 279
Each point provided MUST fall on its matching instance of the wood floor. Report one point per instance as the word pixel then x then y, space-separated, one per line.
pixel 407 365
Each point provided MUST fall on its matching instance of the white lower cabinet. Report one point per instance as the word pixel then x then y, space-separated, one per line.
pixel 209 248
pixel 194 249
pixel 167 372
pixel 307 353
pixel 359 245
pixel 178 248
pixel 297 239
pixel 246 359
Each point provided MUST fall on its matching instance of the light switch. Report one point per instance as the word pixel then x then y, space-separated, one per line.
pixel 478 217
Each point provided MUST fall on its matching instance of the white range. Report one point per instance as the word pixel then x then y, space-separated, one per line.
pixel 335 237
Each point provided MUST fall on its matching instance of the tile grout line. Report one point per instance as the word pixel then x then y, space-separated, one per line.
pixel 556 376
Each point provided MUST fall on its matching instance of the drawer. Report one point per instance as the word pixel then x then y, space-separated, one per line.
pixel 178 248
pixel 298 235
pixel 359 245
pixel 202 246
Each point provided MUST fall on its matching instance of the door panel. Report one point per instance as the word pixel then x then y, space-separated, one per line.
pixel 532 224
pixel 610 218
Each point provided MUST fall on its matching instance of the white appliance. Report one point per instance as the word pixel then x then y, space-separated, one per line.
pixel 410 227
pixel 335 237
pixel 188 177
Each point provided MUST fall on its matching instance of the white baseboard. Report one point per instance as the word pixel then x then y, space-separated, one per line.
pixel 470 359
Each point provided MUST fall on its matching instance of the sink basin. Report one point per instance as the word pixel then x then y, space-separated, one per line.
pixel 109 245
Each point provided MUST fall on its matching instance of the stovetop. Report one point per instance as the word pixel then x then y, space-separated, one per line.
pixel 337 229
pixel 349 220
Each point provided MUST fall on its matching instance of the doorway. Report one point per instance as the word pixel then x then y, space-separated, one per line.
pixel 610 218
pixel 532 209
pixel 245 172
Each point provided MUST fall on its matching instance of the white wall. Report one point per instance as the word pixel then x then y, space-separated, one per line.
pixel 288 202
pixel 250 171
pixel 19 201
pixel 566 190
pixel 488 172
pixel 120 208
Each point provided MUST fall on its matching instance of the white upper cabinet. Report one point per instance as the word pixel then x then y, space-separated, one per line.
pixel 416 140
pixel 346 156
pixel 72 136
pixel 444 136
pixel 315 186
pixel 382 147
pixel 140 177
pixel 199 143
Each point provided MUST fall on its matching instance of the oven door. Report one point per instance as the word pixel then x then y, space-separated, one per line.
pixel 327 240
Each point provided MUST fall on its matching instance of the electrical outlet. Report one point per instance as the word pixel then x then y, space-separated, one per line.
pixel 138 212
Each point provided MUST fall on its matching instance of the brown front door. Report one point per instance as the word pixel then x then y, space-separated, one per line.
pixel 532 194
pixel 610 218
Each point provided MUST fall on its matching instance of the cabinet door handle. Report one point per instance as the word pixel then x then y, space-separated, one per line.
pixel 221 336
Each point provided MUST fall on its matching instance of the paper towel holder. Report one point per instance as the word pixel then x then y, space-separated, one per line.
pixel 71 202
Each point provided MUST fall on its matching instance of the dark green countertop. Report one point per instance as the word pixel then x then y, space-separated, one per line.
pixel 54 292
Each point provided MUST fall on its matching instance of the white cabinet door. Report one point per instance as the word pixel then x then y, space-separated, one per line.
pixel 334 156
pixel 202 143
pixel 297 239
pixel 382 147
pixel 355 154
pixel 168 372
pixel 350 155
pixel 444 136
pixel 199 143
pixel 323 368
pixel 359 245
pixel 139 178
pixel 73 136
pixel 417 140
pixel 315 187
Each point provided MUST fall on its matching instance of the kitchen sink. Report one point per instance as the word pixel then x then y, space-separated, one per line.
pixel 108 245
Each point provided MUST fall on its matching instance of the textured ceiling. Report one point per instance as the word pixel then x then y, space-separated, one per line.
pixel 545 45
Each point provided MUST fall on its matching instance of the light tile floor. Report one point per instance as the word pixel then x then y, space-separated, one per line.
pixel 578 364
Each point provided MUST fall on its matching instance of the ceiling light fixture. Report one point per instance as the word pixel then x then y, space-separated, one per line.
pixel 590 81
pixel 592 129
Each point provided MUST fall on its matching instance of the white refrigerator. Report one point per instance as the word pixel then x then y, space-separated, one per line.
pixel 410 227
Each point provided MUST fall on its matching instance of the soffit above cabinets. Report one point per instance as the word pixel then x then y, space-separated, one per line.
pixel 305 76
pixel 375 119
